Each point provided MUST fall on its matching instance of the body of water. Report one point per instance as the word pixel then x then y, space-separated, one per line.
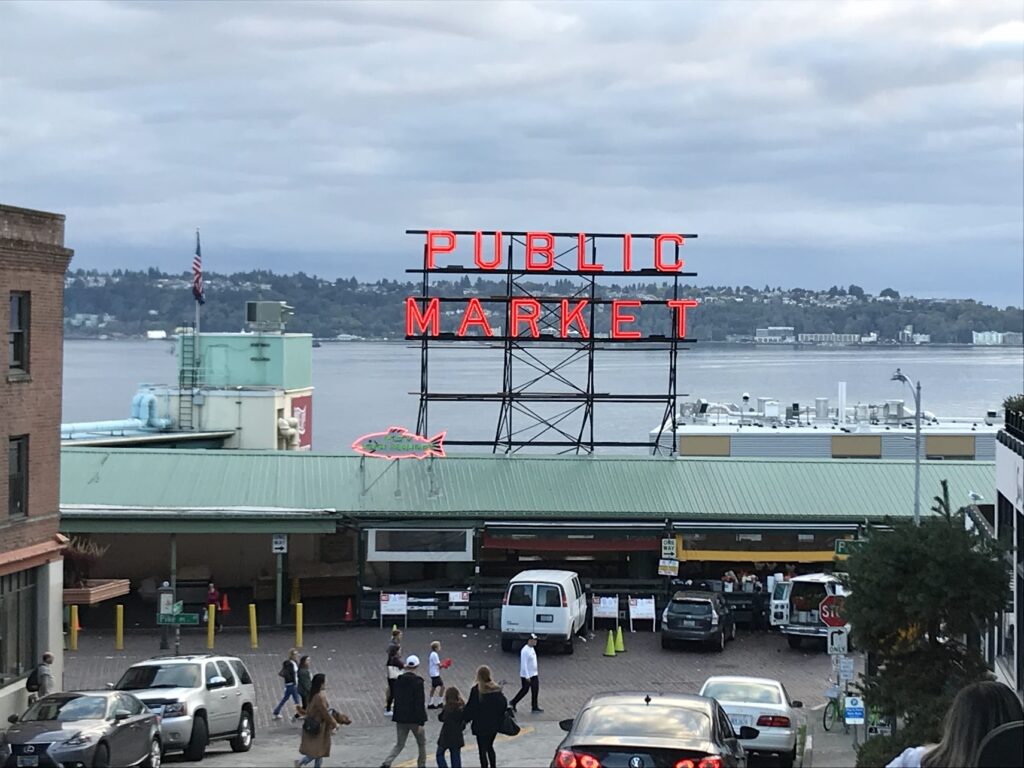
pixel 366 387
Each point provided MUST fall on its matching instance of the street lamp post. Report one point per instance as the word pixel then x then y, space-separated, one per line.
pixel 916 389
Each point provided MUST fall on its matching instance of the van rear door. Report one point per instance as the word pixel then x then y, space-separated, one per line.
pixel 517 615
pixel 552 614
pixel 780 603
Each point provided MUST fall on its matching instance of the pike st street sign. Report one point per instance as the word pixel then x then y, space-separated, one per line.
pixel 177 618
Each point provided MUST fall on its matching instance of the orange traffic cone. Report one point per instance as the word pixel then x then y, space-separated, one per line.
pixel 348 610
pixel 78 624
pixel 224 607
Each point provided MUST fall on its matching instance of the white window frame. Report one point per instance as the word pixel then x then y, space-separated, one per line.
pixel 373 555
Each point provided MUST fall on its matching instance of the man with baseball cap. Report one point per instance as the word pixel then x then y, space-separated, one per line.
pixel 410 713
pixel 528 674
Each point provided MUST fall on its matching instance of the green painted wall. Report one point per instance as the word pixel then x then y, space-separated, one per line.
pixel 255 360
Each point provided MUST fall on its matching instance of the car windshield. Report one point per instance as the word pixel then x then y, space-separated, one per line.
pixel 738 690
pixel 690 607
pixel 67 709
pixel 659 721
pixel 159 676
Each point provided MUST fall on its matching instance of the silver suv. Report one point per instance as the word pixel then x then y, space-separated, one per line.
pixel 199 699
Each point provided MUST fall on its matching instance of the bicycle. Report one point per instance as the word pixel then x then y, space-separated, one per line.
pixel 835 709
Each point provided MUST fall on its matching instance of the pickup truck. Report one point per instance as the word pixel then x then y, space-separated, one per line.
pixel 794 607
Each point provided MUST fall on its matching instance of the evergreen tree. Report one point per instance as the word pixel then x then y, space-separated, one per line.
pixel 920 595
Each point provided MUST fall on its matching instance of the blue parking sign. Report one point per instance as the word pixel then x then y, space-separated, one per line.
pixel 854 710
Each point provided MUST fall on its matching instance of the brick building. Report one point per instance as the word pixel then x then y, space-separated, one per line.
pixel 33 261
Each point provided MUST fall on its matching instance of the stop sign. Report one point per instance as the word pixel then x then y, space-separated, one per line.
pixel 830 609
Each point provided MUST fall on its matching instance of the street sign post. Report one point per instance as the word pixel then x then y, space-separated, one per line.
pixel 178 618
pixel 279 544
pixel 845 669
pixel 829 610
pixel 668 548
pixel 837 640
pixel 854 714
pixel 844 547
pixel 178 606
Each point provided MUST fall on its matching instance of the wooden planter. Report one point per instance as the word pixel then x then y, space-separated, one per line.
pixel 96 591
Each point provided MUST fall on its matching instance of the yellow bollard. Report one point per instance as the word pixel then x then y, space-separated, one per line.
pixel 119 627
pixel 73 626
pixel 620 646
pixel 211 624
pixel 298 625
pixel 253 638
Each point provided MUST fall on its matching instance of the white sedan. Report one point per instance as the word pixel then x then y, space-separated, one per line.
pixel 763 704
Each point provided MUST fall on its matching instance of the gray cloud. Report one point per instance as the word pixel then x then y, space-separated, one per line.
pixel 808 143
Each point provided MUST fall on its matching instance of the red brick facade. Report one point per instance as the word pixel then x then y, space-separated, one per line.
pixel 33 259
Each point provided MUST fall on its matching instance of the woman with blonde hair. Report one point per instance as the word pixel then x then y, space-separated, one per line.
pixel 977 709
pixel 485 710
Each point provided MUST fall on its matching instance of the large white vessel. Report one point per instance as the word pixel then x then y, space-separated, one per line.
pixel 765 427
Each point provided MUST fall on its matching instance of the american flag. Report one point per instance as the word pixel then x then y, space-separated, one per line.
pixel 197 273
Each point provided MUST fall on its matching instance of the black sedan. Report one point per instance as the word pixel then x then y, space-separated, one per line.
pixel 83 729
pixel 636 730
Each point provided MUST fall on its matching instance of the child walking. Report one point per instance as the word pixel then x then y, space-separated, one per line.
pixel 453 719
pixel 434 670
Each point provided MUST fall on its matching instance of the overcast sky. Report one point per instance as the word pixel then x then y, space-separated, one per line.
pixel 808 143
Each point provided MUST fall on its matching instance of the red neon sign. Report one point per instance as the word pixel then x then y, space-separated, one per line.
pixel 523 315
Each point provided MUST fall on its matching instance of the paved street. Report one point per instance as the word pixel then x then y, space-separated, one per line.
pixel 353 660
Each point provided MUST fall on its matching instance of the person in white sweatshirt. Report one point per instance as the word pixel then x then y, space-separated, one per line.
pixel 434 670
pixel 528 674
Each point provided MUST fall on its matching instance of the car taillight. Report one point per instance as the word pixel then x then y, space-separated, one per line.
pixel 714 619
pixel 711 761
pixel 565 603
pixel 773 721
pixel 504 599
pixel 568 759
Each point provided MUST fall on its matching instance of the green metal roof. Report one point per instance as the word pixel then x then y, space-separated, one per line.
pixel 510 487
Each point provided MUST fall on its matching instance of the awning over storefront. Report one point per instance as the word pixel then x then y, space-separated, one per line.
pixel 757 556
pixel 577 543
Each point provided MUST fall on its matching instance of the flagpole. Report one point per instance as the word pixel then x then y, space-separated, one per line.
pixel 195 346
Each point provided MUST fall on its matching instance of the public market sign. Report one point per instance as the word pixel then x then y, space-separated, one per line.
pixel 399 443
pixel 524 314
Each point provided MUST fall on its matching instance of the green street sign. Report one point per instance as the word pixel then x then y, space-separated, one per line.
pixel 177 618
pixel 178 606
pixel 847 546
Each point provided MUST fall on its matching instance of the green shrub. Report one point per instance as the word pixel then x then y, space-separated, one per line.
pixel 878 751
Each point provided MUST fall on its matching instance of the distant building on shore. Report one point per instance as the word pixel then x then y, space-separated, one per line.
pixel 775 334
pixel 829 338
pixel 997 339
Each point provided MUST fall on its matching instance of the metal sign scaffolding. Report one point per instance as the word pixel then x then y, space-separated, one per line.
pixel 547 394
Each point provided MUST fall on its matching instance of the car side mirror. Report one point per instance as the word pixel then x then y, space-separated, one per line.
pixel 110 686
pixel 746 732
pixel 12 719
pixel 796 704
pixel 215 682
pixel 121 714
pixel 566 725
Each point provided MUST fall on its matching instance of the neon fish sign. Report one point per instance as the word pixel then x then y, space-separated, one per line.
pixel 399 443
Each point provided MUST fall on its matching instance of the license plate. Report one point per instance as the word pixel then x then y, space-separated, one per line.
pixel 738 721
pixel 28 760
pixel 546 618
pixel 689 623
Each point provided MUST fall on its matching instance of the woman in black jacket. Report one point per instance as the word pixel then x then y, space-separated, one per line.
pixel 486 710
pixel 453 722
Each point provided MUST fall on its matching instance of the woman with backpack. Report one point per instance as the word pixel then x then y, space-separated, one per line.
pixel 317 726
pixel 289 672
pixel 486 710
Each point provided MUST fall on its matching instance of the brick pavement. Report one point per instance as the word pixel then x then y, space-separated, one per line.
pixel 353 660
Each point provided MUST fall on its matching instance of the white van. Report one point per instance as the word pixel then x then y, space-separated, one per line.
pixel 549 604
pixel 794 608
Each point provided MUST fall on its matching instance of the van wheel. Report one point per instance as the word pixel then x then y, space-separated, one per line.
pixel 506 644
pixel 793 640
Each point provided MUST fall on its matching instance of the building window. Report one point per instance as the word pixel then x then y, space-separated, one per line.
pixel 18 625
pixel 17 473
pixel 419 545
pixel 17 334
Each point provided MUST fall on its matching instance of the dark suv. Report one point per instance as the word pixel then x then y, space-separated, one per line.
pixel 702 617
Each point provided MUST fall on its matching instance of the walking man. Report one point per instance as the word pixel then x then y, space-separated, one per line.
pixel 289 672
pixel 40 680
pixel 434 670
pixel 410 713
pixel 528 674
